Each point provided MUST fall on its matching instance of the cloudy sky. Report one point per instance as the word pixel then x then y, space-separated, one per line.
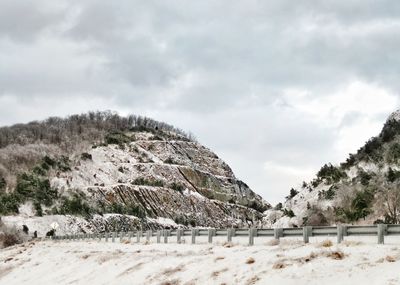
pixel 275 88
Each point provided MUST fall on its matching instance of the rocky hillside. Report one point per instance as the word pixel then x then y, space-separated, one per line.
pixel 99 172
pixel 364 189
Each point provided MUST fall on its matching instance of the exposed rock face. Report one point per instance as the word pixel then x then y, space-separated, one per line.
pixel 181 180
pixel 137 177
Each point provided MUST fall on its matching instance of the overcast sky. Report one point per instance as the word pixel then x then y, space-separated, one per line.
pixel 275 88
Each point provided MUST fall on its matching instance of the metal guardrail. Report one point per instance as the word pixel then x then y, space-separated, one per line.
pixel 340 231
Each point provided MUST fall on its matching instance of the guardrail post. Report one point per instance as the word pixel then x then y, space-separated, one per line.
pixel 178 236
pixel 229 235
pixel 381 233
pixel 193 236
pixel 251 236
pixel 278 233
pixel 113 237
pixel 138 236
pixel 340 233
pixel 166 236
pixel 307 232
pixel 121 236
pixel 210 235
pixel 148 235
pixel 158 236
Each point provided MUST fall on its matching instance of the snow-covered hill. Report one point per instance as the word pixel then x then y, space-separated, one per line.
pixel 129 178
pixel 364 189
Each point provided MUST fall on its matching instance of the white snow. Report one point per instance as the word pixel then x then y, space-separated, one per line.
pixel 291 262
pixel 194 194
pixel 164 222
pixel 395 116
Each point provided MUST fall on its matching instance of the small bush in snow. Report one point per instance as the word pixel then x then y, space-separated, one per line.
pixel 10 236
pixel 86 156
pixel 326 243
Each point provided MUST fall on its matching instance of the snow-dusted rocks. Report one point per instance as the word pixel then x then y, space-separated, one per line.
pixel 150 182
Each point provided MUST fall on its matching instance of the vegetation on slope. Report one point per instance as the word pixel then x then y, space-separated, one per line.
pixel 366 186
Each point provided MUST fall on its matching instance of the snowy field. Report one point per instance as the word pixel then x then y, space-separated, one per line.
pixel 290 262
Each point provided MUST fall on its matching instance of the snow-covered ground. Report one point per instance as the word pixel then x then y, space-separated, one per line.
pixel 290 262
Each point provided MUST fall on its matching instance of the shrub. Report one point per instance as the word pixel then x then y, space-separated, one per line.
pixel 121 169
pixel 181 220
pixel 31 186
pixel 74 206
pixel 390 130
pixel 288 213
pixel 392 175
pixel 393 154
pixel 292 194
pixel 316 182
pixel 129 209
pixel 3 184
pixel 118 138
pixel 328 194
pixel 156 138
pixel 9 203
pixel 9 236
pixel 146 182
pixel 361 206
pixel 169 160
pixel 331 173
pixel 371 150
pixel 365 177
pixel 135 210
pixel 350 161
pixel 192 222
pixel 49 161
pixel 63 164
pixel 278 206
pixel 38 170
pixel 86 156
pixel 177 187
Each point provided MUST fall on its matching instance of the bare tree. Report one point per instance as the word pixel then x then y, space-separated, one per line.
pixel 389 200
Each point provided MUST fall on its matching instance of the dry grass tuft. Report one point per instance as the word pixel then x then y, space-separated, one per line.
pixel 171 271
pixel 272 242
pixel 215 274
pixel 228 244
pixel 253 280
pixel 219 258
pixel 10 236
pixel 351 243
pixel 326 243
pixel 310 257
pixel 279 265
pixel 337 255
pixel 250 260
pixel 390 258
pixel 171 282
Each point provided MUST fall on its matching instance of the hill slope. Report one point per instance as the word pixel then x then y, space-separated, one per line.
pixel 364 189
pixel 99 171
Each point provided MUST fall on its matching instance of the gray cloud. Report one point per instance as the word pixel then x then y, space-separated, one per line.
pixel 230 71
